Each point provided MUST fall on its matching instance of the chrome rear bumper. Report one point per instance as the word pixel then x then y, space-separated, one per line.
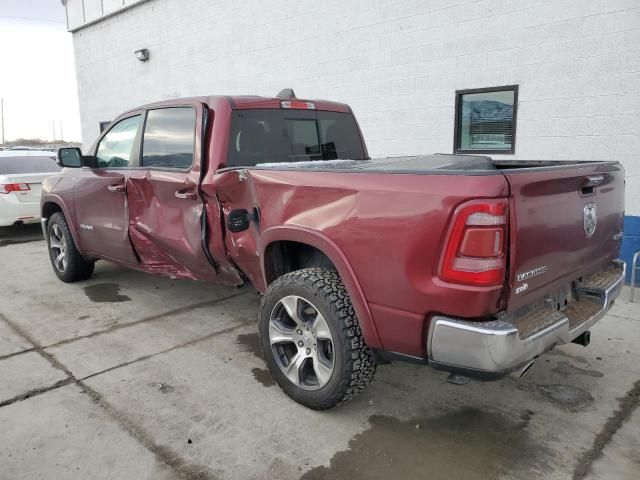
pixel 496 348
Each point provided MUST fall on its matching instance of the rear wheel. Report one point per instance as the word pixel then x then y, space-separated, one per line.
pixel 66 261
pixel 311 339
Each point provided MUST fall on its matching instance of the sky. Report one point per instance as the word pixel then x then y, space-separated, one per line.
pixel 37 71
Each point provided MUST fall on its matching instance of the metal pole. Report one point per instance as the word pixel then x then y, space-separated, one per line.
pixel 53 126
pixel 634 267
pixel 61 134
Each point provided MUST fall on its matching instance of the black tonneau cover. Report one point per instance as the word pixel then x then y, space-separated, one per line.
pixel 421 164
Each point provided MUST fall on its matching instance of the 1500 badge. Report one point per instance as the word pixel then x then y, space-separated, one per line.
pixel 522 288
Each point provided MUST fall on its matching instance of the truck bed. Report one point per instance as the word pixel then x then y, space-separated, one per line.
pixel 443 164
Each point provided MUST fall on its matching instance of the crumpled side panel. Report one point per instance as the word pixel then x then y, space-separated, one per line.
pixel 165 230
pixel 236 190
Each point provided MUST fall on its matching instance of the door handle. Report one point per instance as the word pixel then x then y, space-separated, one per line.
pixel 185 195
pixel 589 184
pixel 116 188
pixel 593 181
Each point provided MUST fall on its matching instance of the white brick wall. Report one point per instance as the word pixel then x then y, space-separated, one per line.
pixel 396 62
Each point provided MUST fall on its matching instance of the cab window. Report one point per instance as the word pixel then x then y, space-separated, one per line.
pixel 116 147
pixel 169 138
pixel 278 136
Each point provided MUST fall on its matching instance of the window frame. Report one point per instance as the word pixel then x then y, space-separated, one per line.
pixel 141 139
pixel 135 152
pixel 458 123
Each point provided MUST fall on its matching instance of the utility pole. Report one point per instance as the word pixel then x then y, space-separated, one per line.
pixel 53 125
pixel 2 115
pixel 61 134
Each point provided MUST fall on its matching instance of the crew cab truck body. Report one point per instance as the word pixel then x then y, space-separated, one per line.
pixel 470 265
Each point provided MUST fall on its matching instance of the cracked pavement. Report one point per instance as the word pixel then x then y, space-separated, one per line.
pixel 133 376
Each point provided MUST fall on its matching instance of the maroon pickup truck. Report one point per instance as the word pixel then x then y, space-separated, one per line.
pixel 464 263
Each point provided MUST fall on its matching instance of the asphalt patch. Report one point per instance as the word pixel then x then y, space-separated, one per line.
pixel 263 376
pixel 565 368
pixel 6 243
pixel 567 397
pixel 627 405
pixel 251 343
pixel 105 293
pixel 461 444
pixel 561 353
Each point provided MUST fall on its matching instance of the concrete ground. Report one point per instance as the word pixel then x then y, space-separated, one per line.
pixel 129 376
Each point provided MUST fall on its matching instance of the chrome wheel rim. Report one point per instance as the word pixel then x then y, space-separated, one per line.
pixel 58 248
pixel 301 343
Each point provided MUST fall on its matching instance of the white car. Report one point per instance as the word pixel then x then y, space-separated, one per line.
pixel 20 186
pixel 27 153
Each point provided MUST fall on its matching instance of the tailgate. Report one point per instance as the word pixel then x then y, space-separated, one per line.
pixel 34 180
pixel 553 210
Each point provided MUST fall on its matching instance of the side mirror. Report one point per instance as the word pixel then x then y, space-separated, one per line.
pixel 70 157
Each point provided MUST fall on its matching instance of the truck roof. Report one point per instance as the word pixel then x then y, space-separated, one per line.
pixel 252 102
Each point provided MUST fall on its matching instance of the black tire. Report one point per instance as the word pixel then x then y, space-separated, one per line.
pixel 353 365
pixel 76 267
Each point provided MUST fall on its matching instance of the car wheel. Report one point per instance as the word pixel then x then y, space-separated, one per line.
pixel 311 339
pixel 66 261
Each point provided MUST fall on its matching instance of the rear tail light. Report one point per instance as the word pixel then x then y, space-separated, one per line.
pixel 14 187
pixel 474 252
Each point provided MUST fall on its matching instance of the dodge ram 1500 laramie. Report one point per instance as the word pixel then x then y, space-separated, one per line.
pixel 464 263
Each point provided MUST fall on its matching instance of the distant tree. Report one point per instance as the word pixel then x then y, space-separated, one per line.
pixel 39 143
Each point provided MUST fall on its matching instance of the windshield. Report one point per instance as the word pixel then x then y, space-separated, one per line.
pixel 277 136
pixel 9 165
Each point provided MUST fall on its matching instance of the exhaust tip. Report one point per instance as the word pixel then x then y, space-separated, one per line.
pixel 522 371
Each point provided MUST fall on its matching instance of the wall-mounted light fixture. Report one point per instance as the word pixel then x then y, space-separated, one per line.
pixel 142 54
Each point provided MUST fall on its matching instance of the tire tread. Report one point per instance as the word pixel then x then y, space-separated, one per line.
pixel 359 366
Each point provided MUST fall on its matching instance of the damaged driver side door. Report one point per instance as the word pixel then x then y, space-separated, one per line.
pixel 165 205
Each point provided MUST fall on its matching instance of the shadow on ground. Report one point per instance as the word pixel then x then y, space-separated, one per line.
pixel 18 234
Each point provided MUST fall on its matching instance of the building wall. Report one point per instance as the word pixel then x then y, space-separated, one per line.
pixel 397 63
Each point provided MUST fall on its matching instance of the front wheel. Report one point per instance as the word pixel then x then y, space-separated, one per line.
pixel 65 258
pixel 311 339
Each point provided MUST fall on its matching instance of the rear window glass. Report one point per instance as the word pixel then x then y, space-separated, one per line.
pixel 276 136
pixel 9 165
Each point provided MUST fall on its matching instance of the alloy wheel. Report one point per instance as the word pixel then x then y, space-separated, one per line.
pixel 301 343
pixel 58 247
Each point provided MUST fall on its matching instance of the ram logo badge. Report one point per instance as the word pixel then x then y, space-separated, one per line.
pixel 531 273
pixel 86 227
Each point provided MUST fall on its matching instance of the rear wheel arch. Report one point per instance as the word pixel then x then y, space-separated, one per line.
pixel 284 256
pixel 312 249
